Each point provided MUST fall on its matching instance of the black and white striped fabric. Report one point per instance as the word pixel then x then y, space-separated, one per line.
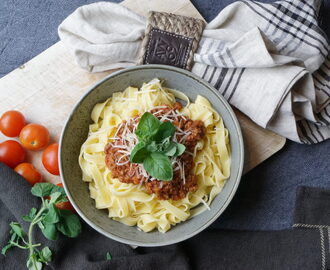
pixel 271 61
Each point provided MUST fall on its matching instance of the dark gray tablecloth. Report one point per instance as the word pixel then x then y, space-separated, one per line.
pixel 307 246
pixel 266 195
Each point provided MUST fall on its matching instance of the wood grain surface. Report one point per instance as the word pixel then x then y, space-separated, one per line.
pixel 46 88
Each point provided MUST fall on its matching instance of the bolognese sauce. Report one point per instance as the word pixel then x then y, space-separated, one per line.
pixel 188 132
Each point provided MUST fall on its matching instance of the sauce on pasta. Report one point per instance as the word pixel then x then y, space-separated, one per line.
pixel 188 132
pixel 136 204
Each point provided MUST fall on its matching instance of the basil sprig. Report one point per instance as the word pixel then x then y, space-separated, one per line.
pixel 156 146
pixel 49 219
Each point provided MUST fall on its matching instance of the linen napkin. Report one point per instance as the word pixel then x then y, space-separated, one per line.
pixel 304 247
pixel 271 61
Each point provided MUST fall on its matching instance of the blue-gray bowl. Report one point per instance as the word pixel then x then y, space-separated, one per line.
pixel 76 130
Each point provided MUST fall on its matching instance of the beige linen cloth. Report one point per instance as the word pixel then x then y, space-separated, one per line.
pixel 271 61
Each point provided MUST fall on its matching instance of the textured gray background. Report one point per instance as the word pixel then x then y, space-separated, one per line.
pixel 265 198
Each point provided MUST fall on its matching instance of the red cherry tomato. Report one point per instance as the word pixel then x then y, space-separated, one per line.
pixel 50 159
pixel 29 172
pixel 11 153
pixel 11 123
pixel 64 205
pixel 34 137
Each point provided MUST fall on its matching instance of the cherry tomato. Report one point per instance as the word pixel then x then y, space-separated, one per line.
pixel 11 153
pixel 29 172
pixel 64 205
pixel 11 123
pixel 50 159
pixel 34 137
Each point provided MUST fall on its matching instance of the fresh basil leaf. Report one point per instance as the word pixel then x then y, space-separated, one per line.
pixel 170 150
pixel 108 257
pixel 31 215
pixel 13 237
pixel 50 231
pixel 27 218
pixel 180 148
pixel 52 215
pixel 42 189
pixel 46 189
pixel 69 223
pixel 54 197
pixel 6 248
pixel 46 255
pixel 159 166
pixel 139 153
pixel 33 264
pixel 152 147
pixel 148 126
pixel 156 147
pixel 166 142
pixel 165 130
pixel 17 229
pixel 58 189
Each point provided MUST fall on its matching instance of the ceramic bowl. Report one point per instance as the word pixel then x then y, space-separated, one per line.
pixel 76 130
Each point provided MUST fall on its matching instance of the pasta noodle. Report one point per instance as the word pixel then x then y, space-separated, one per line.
pixel 130 203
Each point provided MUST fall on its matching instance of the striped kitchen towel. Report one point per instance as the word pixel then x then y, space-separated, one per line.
pixel 271 61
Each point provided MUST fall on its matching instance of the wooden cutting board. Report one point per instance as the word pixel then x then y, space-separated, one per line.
pixel 46 88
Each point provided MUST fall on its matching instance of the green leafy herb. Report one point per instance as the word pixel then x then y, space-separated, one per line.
pixel 147 126
pixel 49 219
pixel 180 148
pixel 159 166
pixel 69 224
pixel 165 130
pixel 139 153
pixel 156 146
pixel 108 256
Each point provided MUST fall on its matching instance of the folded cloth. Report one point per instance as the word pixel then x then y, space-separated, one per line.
pixel 304 247
pixel 271 61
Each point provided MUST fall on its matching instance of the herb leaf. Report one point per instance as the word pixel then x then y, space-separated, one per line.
pixel 148 126
pixel 159 166
pixel 33 264
pixel 165 130
pixel 50 231
pixel 69 223
pixel 139 153
pixel 5 248
pixel 57 197
pixel 17 229
pixel 171 149
pixel 46 189
pixel 52 215
pixel 45 255
pixel 153 146
pixel 180 148
pixel 42 189
pixel 108 256
pixel 31 215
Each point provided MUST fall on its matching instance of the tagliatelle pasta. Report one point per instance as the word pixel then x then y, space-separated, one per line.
pixel 130 203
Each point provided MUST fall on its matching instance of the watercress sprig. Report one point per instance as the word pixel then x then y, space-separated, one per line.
pixel 156 146
pixel 49 219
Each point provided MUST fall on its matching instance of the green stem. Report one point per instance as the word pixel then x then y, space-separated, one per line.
pixel 30 244
pixel 17 245
pixel 24 241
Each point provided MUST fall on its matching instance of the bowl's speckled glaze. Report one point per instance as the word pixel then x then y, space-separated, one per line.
pixel 76 130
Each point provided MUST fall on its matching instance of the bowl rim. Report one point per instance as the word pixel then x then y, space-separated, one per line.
pixel 231 193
